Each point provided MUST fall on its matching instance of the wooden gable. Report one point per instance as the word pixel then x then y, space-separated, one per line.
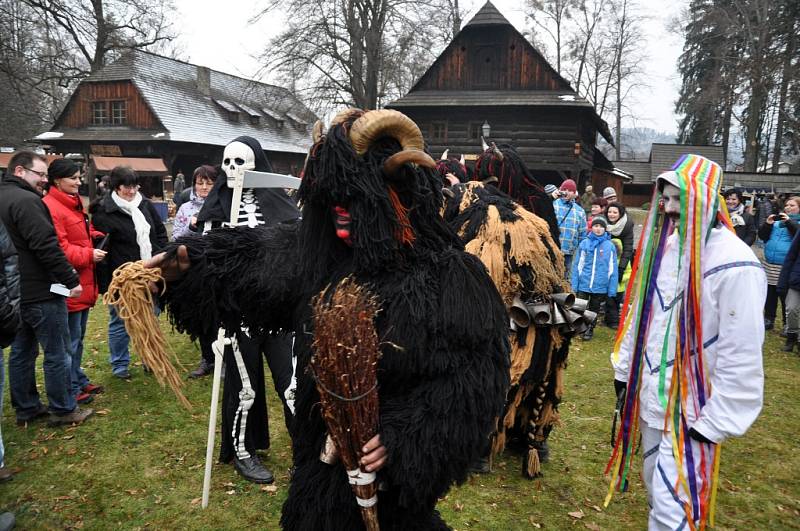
pixel 78 112
pixel 490 58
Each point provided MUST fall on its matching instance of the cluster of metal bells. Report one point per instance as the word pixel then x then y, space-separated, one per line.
pixel 564 311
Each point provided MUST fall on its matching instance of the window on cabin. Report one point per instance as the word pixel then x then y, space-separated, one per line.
pixel 439 132
pixel 233 116
pixel 475 130
pixel 255 120
pixel 279 124
pixel 119 112
pixel 100 113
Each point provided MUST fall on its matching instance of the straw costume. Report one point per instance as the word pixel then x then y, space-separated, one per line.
pixel 689 349
pixel 526 265
pixel 369 214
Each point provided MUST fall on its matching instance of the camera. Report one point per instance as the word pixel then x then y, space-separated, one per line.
pixel 562 193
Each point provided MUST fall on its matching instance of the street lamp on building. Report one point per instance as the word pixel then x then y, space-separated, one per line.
pixel 486 129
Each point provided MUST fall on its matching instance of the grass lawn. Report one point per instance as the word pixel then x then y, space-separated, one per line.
pixel 138 463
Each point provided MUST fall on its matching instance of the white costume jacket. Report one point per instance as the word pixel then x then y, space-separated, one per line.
pixel 734 289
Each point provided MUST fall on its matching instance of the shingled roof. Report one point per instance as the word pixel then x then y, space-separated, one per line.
pixel 487 16
pixel 664 156
pixel 195 108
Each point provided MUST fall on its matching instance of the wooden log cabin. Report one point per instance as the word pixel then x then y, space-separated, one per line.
pixel 491 76
pixel 145 106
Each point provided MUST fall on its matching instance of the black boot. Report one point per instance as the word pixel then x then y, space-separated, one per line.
pixel 253 470
pixel 791 341
pixel 589 334
pixel 203 369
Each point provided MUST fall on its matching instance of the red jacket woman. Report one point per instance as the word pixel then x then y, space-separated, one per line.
pixel 75 235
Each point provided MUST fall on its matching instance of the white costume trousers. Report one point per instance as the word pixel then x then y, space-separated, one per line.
pixel 660 474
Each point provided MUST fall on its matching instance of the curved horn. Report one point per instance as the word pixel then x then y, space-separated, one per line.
pixel 497 151
pixel 399 159
pixel 345 114
pixel 373 125
pixel 484 145
pixel 444 154
pixel 317 131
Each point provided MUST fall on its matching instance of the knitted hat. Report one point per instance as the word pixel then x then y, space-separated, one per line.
pixel 599 220
pixel 589 188
pixel 569 186
pixel 550 188
pixel 609 192
pixel 61 168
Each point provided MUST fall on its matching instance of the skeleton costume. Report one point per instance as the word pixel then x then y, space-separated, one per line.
pixel 369 214
pixel 516 237
pixel 245 426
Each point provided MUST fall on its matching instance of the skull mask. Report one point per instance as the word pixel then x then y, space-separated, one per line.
pixel 236 159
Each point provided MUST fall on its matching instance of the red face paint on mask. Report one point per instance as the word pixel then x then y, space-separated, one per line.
pixel 341 220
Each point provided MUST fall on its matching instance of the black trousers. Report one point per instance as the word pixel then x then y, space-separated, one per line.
pixel 771 304
pixel 612 309
pixel 277 350
pixel 596 300
pixel 206 352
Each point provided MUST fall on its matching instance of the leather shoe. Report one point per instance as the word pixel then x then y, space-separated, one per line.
pixel 93 389
pixel 84 398
pixel 76 416
pixel 5 474
pixel 7 521
pixel 123 375
pixel 481 466
pixel 204 369
pixel 41 411
pixel 253 470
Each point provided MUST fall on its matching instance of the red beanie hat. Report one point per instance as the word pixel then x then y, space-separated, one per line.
pixel 569 186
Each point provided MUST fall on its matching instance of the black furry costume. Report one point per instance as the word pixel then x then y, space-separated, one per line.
pixel 443 373
pixel 502 167
pixel 521 251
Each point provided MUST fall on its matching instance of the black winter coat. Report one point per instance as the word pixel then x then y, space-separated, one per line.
pixel 28 222
pixel 9 289
pixel 790 272
pixel 747 232
pixel 107 217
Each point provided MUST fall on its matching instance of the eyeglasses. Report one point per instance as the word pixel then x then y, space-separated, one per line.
pixel 41 174
pixel 129 186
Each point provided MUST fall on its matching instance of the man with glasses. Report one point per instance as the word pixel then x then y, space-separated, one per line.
pixel 42 268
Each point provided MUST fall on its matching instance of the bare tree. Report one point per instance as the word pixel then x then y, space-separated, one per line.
pixel 99 28
pixel 52 44
pixel 355 52
pixel 626 40
pixel 551 17
pixel 585 35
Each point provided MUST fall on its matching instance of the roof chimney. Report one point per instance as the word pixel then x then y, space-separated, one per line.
pixel 204 80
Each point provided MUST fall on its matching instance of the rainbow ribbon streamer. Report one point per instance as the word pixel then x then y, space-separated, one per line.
pixel 700 180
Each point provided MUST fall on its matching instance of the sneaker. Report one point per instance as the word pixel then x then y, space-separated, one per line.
pixel 76 416
pixel 84 398
pixel 6 474
pixel 41 411
pixel 123 375
pixel 93 389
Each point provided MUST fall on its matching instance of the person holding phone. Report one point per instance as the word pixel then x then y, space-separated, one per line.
pixel 777 231
pixel 75 236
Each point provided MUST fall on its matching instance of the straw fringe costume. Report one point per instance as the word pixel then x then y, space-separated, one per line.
pixel 689 350
pixel 525 264
pixel 444 368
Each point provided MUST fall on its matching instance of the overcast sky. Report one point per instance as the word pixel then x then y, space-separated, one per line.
pixel 218 36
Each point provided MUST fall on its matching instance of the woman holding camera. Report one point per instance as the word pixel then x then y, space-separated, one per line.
pixel 777 231
pixel 75 235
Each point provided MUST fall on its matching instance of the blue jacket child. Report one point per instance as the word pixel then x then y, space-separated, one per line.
pixel 594 267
